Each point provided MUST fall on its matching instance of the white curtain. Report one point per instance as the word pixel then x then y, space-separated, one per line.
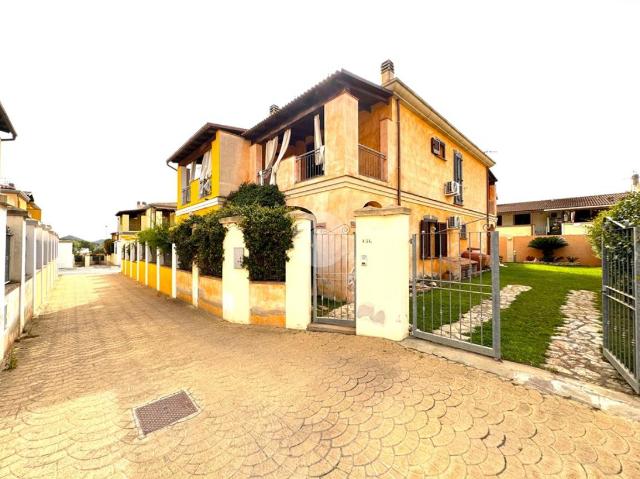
pixel 317 140
pixel 270 153
pixel 205 175
pixel 285 144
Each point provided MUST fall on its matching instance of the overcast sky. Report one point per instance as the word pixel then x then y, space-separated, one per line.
pixel 101 93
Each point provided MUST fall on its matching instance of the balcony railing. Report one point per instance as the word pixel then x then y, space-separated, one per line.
pixel 186 195
pixel 372 163
pixel 310 165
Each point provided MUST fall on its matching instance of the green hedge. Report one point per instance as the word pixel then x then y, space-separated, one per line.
pixel 156 237
pixel 267 227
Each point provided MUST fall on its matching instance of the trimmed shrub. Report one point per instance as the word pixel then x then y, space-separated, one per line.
pixel 548 244
pixel 208 238
pixel 249 194
pixel 182 235
pixel 268 235
pixel 156 237
pixel 625 211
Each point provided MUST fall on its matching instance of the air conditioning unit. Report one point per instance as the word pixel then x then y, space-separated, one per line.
pixel 452 188
pixel 453 222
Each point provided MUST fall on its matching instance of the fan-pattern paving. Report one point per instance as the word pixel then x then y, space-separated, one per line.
pixel 274 403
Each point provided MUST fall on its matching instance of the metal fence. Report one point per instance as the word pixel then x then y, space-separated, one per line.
pixel 334 291
pixel 620 297
pixel 455 290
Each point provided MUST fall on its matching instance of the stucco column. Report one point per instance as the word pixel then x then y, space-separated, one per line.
pixel 158 264
pixel 147 253
pixel 298 275
pixel 236 306
pixel 174 271
pixel 195 284
pixel 138 245
pixel 341 135
pixel 3 247
pixel 87 260
pixel 382 272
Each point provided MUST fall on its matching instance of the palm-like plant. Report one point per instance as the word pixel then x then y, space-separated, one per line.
pixel 548 244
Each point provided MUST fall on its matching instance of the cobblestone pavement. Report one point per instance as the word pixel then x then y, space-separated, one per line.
pixel 274 403
pixel 576 348
pixel 479 314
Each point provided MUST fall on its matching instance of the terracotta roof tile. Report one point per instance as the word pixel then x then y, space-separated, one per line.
pixel 563 203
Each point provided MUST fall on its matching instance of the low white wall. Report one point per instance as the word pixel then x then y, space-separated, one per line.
pixel 65 254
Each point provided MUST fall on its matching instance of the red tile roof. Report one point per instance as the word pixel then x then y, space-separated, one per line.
pixel 577 202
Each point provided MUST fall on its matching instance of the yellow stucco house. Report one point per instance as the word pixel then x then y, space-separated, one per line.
pixel 344 144
pixel 143 216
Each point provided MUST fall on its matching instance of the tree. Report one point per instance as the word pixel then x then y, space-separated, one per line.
pixel 547 244
pixel 625 211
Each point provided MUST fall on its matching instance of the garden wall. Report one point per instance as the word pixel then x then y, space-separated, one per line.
pixel 184 285
pixel 165 280
pixel 518 250
pixel 267 302
pixel 210 294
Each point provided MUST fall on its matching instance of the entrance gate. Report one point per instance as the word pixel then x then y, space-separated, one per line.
pixel 620 298
pixel 334 288
pixel 455 290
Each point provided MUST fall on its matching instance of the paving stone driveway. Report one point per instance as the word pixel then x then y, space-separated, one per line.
pixel 274 403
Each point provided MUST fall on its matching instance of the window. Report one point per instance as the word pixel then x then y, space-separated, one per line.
pixel 522 219
pixel 457 176
pixel 7 257
pixel 433 239
pixel 438 147
pixel 499 220
pixel 582 216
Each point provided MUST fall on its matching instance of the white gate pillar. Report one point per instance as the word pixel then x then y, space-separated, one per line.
pixel 298 275
pixel 236 306
pixel 382 272
pixel 174 271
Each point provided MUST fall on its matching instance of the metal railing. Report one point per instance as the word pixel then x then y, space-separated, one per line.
pixel 310 165
pixel 186 195
pixel 372 163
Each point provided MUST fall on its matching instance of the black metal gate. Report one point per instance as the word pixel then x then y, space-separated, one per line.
pixel 620 298
pixel 455 290
pixel 334 288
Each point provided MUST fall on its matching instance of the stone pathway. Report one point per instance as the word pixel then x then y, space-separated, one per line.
pixel 273 403
pixel 576 348
pixel 480 313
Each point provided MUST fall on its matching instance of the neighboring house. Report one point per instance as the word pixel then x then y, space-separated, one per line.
pixel 565 216
pixel 143 216
pixel 344 144
pixel 30 250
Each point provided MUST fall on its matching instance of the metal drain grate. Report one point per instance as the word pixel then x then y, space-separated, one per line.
pixel 164 412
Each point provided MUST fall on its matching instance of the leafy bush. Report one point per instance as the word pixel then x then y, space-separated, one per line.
pixel 252 194
pixel 107 246
pixel 625 211
pixel 182 235
pixel 156 237
pixel 208 238
pixel 547 244
pixel 572 259
pixel 530 258
pixel 268 235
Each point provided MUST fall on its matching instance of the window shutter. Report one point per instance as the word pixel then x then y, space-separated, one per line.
pixel 423 239
pixel 441 239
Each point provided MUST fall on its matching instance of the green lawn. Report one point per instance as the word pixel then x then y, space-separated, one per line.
pixel 530 321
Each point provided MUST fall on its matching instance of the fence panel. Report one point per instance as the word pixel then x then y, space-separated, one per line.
pixel 620 295
pixel 455 298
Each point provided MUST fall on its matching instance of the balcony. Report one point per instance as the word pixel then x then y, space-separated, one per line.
pixel 372 163
pixel 309 165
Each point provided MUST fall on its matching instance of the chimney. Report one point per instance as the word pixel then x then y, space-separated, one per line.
pixel 141 204
pixel 387 71
pixel 274 109
pixel 635 182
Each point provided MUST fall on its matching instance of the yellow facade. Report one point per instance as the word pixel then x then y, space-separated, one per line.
pixel 165 280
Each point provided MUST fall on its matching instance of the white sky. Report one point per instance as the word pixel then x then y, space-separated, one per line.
pixel 101 93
